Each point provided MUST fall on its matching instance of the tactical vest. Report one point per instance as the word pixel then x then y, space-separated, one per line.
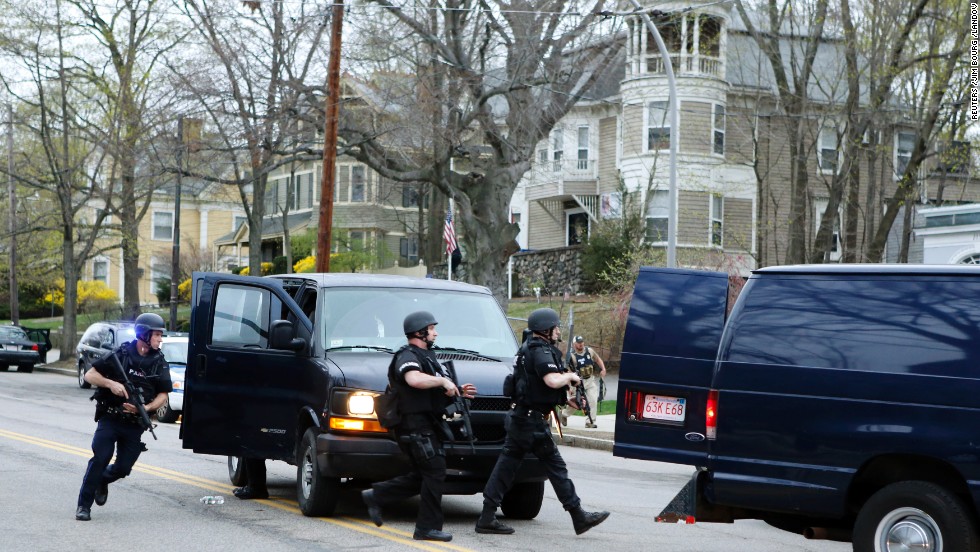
pixel 530 390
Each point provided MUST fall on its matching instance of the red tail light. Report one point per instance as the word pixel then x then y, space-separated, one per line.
pixel 34 347
pixel 711 415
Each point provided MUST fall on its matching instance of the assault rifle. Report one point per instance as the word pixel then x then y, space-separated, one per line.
pixel 135 395
pixel 459 409
pixel 580 397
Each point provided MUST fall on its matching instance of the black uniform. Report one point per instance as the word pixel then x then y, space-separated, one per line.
pixel 151 375
pixel 419 437
pixel 528 427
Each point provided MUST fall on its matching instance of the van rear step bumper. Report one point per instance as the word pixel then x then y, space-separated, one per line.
pixel 690 505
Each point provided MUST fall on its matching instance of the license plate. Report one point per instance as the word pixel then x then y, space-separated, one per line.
pixel 659 407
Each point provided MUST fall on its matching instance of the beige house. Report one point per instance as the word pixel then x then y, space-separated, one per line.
pixel 733 158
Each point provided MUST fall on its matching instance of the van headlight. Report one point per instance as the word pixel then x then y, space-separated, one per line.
pixel 352 410
pixel 360 404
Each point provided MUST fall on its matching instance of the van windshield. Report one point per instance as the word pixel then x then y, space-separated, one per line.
pixel 372 317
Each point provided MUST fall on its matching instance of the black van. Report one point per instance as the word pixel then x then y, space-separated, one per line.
pixel 288 367
pixel 837 401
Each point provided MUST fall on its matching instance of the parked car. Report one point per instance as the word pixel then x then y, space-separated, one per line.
pixel 42 337
pixel 836 401
pixel 288 367
pixel 98 339
pixel 174 349
pixel 17 349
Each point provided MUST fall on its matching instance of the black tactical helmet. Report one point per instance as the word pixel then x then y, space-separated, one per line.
pixel 542 320
pixel 418 321
pixel 148 322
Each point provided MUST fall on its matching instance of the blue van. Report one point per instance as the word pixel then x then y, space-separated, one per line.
pixel 837 401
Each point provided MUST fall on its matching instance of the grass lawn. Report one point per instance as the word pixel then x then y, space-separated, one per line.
pixel 605 407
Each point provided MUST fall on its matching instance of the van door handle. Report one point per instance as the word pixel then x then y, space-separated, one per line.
pixel 202 366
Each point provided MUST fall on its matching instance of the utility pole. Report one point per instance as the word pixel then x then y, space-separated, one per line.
pixel 330 140
pixel 12 191
pixel 175 260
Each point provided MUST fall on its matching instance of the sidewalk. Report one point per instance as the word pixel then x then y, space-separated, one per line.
pixel 575 434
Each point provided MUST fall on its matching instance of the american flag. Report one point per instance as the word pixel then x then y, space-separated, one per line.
pixel 449 233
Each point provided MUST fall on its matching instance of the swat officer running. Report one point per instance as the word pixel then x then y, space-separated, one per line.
pixel 120 427
pixel 422 387
pixel 541 383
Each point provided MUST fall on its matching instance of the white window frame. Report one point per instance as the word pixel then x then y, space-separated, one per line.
pixel 820 206
pixel 653 111
pixel 827 140
pixel 658 208
pixel 900 158
pixel 583 148
pixel 95 270
pixel 718 130
pixel 716 217
pixel 157 272
pixel 153 230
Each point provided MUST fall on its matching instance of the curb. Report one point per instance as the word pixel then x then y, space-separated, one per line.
pixel 596 440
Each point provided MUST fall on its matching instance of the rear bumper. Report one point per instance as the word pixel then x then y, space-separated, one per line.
pixel 19 357
pixel 379 458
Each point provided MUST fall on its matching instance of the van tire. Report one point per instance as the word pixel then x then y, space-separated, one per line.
pixel 523 501
pixel 236 471
pixel 317 495
pixel 925 506
pixel 25 368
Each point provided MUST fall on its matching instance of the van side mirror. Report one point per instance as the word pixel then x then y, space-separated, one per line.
pixel 281 337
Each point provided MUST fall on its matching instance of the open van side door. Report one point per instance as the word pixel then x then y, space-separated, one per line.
pixel 244 380
pixel 672 335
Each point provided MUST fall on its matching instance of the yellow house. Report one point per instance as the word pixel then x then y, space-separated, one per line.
pixel 207 211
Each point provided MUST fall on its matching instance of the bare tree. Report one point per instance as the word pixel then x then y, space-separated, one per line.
pixel 64 162
pixel 251 80
pixel 488 79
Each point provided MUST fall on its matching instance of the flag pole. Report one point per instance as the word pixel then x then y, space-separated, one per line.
pixel 449 254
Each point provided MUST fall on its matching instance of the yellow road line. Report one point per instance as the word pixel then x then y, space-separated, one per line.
pixel 398 536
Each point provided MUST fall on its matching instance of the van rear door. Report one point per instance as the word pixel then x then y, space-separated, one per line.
pixel 675 323
pixel 243 392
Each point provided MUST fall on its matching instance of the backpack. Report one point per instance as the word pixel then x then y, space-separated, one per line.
pixel 386 408
pixel 386 405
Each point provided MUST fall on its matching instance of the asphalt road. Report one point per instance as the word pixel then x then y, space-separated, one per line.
pixel 45 432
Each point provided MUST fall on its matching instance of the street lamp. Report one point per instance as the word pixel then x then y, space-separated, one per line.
pixel 674 136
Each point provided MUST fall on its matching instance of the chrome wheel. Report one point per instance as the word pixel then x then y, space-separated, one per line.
pixel 907 530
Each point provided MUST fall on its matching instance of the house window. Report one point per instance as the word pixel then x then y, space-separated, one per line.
pixel 583 148
pixel 658 127
pixel 828 150
pixel 358 185
pixel 355 241
pixel 821 209
pixel 100 271
pixel 718 129
pixel 410 197
pixel 163 225
pixel 717 217
pixel 543 156
pixel 409 249
pixel 657 211
pixel 904 142
pixel 577 228
pixel 557 148
pixel 238 221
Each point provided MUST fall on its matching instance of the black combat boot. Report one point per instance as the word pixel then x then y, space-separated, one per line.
pixel 488 522
pixel 583 521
